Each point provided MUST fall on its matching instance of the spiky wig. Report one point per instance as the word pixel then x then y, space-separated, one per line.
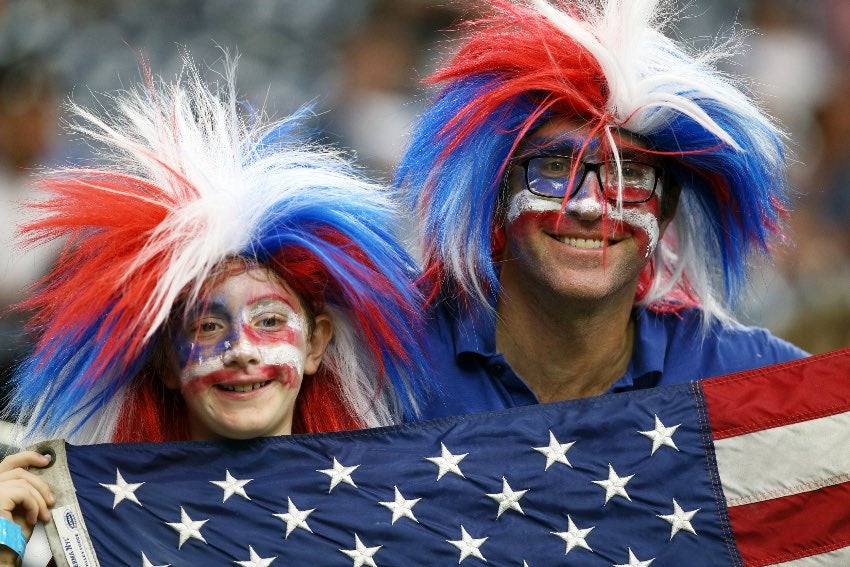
pixel 187 181
pixel 606 63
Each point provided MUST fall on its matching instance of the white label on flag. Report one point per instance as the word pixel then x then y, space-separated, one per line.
pixel 71 535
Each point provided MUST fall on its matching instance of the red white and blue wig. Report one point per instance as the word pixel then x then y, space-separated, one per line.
pixel 609 64
pixel 187 178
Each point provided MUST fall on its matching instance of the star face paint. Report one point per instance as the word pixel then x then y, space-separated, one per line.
pixel 241 353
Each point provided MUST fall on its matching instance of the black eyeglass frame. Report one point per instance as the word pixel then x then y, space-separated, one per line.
pixel 595 167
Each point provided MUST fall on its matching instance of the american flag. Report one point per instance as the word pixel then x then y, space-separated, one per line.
pixel 750 469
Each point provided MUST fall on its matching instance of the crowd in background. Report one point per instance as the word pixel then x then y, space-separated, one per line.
pixel 361 63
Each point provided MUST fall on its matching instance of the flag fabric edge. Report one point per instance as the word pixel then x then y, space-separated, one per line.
pixel 67 534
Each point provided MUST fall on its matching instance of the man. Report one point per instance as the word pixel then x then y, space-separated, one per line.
pixel 590 197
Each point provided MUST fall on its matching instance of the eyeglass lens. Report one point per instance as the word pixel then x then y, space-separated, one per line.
pixel 549 176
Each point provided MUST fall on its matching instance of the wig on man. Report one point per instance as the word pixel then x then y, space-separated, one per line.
pixel 608 64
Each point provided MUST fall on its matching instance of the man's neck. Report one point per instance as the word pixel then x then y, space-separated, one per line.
pixel 565 352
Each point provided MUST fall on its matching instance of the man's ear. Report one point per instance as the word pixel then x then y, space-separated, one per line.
pixel 669 205
pixel 323 331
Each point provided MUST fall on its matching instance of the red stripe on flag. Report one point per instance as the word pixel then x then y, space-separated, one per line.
pixel 793 527
pixel 781 394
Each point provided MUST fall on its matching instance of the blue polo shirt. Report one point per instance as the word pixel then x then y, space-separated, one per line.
pixel 471 376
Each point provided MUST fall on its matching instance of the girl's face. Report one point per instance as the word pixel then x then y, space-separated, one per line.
pixel 242 352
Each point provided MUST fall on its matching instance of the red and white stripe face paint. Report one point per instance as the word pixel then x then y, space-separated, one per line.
pixel 588 248
pixel 242 352
pixel 642 219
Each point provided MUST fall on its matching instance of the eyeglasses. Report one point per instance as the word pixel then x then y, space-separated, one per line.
pixel 549 176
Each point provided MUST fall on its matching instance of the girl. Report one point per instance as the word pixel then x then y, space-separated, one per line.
pixel 221 279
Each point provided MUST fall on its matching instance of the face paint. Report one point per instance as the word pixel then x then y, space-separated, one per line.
pixel 644 221
pixel 527 202
pixel 586 207
pixel 236 331
pixel 242 354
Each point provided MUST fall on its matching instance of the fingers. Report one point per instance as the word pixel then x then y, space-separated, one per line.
pixel 19 498
pixel 20 484
pixel 23 460
pixel 22 493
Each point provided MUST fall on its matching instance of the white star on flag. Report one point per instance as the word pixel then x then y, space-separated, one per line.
pixel 339 473
pixel 468 545
pixel 661 435
pixel 635 562
pixel 295 518
pixel 147 562
pixel 615 485
pixel 255 560
pixel 574 537
pixel 232 486
pixel 555 452
pixel 187 528
pixel 508 499
pixel 447 462
pixel 401 507
pixel 361 554
pixel 680 520
pixel 122 490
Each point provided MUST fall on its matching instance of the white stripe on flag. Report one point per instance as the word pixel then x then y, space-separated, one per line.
pixel 831 559
pixel 752 467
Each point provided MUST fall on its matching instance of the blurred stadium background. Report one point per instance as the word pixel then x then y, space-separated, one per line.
pixel 361 61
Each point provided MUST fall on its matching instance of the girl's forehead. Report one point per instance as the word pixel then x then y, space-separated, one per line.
pixel 237 286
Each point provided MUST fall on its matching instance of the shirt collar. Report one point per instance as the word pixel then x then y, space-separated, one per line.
pixel 474 330
pixel 648 353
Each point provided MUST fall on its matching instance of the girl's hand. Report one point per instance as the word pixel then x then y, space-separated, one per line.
pixel 24 497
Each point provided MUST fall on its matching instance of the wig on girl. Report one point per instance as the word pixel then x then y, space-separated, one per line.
pixel 608 64
pixel 189 178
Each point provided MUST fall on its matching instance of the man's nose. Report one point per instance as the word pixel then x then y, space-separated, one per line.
pixel 587 202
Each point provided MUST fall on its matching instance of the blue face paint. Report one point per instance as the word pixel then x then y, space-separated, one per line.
pixel 189 343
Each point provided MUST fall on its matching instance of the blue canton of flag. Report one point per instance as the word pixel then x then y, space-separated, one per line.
pixel 617 480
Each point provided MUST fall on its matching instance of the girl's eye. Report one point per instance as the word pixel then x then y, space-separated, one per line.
pixel 270 322
pixel 205 327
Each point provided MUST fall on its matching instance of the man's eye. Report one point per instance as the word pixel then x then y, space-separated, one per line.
pixel 630 174
pixel 555 165
pixel 208 327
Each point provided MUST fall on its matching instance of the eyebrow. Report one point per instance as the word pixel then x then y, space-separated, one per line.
pixel 269 297
pixel 564 144
pixel 204 307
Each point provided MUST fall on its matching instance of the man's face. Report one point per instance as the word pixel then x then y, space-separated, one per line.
pixel 595 249
pixel 242 353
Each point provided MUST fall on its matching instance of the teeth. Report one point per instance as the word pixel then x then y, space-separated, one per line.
pixel 243 387
pixel 589 243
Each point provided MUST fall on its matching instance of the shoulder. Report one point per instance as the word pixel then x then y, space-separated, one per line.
pixel 701 349
pixel 452 330
pixel 466 373
pixel 440 331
